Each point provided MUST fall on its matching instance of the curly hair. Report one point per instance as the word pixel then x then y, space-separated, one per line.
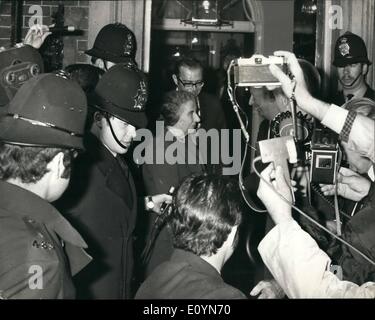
pixel 29 164
pixel 206 208
pixel 171 105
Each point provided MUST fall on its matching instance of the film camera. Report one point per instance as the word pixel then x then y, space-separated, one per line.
pixel 317 148
pixel 254 71
pixel 324 155
pixel 17 65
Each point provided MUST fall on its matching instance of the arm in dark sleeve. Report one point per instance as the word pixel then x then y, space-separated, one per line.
pixel 158 178
pixel 359 233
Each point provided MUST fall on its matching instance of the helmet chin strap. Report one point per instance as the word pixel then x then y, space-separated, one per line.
pixel 113 133
pixel 355 79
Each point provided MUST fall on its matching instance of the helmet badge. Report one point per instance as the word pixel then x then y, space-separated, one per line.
pixel 344 47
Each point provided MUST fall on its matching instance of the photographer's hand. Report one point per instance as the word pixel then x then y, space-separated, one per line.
pixel 351 185
pixel 159 199
pixel 36 35
pixel 298 86
pixel 278 209
pixel 268 289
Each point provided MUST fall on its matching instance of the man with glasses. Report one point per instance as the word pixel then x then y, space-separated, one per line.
pixel 188 76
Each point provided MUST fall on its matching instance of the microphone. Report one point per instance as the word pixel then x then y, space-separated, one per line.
pixel 62 29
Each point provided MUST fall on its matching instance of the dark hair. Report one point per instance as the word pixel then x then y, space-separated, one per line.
pixel 29 164
pixel 206 207
pixel 171 105
pixel 187 62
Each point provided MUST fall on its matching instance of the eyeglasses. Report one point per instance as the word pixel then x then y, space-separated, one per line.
pixel 191 85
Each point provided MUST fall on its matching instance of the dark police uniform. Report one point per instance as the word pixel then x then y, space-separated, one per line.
pixel 34 239
pixel 339 99
pixel 102 204
pixel 102 199
pixel 39 249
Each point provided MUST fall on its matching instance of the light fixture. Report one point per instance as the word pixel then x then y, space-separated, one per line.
pixel 206 6
pixel 206 13
pixel 309 7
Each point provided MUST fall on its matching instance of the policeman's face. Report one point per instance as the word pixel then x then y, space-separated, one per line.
pixel 190 80
pixel 352 75
pixel 125 133
pixel 188 118
pixel 356 161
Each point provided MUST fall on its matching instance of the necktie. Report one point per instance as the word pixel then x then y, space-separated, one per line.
pixel 349 97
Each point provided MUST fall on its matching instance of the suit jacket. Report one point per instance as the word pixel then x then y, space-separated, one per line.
pixel 101 202
pixel 212 112
pixel 212 117
pixel 186 276
pixel 158 178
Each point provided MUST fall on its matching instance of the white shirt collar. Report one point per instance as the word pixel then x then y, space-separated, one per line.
pixel 371 173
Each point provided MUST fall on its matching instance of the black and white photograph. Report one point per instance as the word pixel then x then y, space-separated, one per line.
pixel 167 151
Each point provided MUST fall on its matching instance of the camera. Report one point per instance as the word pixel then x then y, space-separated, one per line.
pixel 317 148
pixel 254 71
pixel 17 65
pixel 324 155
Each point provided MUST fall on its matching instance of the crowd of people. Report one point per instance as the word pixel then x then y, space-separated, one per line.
pixel 72 198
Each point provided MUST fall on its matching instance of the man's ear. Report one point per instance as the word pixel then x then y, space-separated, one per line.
pixel 174 77
pixel 56 165
pixel 364 68
pixel 98 119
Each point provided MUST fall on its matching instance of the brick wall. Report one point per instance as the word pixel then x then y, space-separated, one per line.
pixel 76 14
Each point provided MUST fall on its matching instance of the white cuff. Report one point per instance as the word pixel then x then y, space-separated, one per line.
pixel 335 118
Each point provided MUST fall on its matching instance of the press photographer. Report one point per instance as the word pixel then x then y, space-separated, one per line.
pixel 288 252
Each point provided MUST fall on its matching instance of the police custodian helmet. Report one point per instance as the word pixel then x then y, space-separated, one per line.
pixel 122 92
pixel 47 111
pixel 350 49
pixel 115 43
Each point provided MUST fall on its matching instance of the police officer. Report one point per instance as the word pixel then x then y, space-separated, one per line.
pixel 115 43
pixel 39 134
pixel 352 65
pixel 102 200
